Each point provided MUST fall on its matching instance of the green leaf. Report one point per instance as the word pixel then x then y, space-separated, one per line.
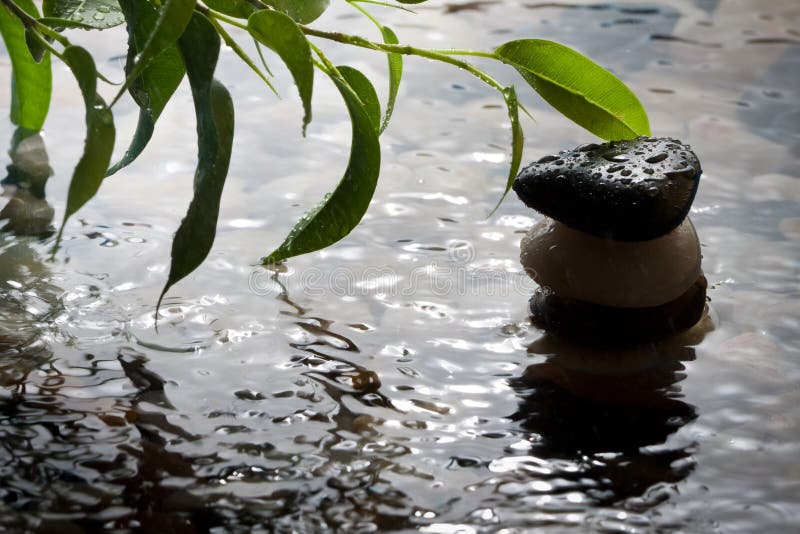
pixel 97 14
pixel 342 210
pixel 199 46
pixel 365 91
pixel 91 168
pixel 285 38
pixel 31 81
pixel 517 140
pixel 240 9
pixel 395 74
pixel 173 17
pixel 578 87
pixel 158 81
pixel 302 11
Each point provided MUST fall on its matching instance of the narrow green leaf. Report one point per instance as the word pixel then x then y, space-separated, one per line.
pixel 365 91
pixel 199 47
pixel 91 168
pixel 342 210
pixel 284 37
pixel 240 9
pixel 578 87
pixel 302 11
pixel 173 17
pixel 158 81
pixel 31 81
pixel 517 140
pixel 96 14
pixel 395 74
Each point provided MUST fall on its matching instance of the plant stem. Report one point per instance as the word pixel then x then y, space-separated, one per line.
pixel 219 16
pixel 405 50
pixel 241 53
pixel 474 53
pixel 327 67
pixel 44 42
pixel 29 22
pixel 384 4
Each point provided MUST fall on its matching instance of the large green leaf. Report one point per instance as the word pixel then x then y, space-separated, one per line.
pixel 240 9
pixel 284 37
pixel 97 14
pixel 342 210
pixel 158 81
pixel 578 87
pixel 303 11
pixel 31 81
pixel 365 91
pixel 517 139
pixel 91 168
pixel 199 47
pixel 395 74
pixel 173 17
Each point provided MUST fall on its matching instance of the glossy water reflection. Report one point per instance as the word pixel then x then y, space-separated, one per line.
pixel 405 388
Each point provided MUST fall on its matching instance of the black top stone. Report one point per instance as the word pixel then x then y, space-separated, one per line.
pixel 625 190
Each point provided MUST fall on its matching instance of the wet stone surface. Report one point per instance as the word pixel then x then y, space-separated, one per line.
pixel 624 190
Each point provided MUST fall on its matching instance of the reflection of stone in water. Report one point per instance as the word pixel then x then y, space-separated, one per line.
pixel 27 212
pixel 25 293
pixel 610 411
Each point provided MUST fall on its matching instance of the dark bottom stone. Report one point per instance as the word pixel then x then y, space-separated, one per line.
pixel 594 323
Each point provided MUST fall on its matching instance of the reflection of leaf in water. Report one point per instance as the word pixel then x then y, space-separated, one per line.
pixel 150 386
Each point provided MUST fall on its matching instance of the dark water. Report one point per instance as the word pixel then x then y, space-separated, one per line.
pixel 393 382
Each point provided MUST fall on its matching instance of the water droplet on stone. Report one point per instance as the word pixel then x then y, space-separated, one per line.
pixel 587 147
pixel 686 172
pixel 615 168
pixel 547 159
pixel 658 157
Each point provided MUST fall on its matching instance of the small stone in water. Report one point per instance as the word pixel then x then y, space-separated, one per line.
pixel 650 197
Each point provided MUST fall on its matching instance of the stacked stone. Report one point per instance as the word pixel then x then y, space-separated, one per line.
pixel 616 257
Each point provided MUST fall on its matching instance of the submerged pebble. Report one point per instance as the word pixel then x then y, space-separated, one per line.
pixel 625 190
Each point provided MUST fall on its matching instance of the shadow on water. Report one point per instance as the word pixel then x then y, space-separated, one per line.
pixel 610 414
